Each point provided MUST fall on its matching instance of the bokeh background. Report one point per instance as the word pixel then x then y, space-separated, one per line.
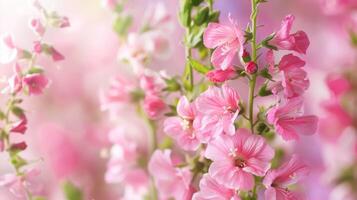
pixel 67 129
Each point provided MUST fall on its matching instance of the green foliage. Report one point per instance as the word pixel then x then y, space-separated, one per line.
pixel 71 191
pixel 264 91
pixel 202 16
pixel 200 68
pixel 121 25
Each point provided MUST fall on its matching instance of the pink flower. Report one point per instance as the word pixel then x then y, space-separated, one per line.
pixel 171 182
pixel 236 158
pixel 20 185
pixel 63 22
pixel 36 83
pixel 20 146
pixel 56 56
pixel 123 157
pixel 111 4
pixel 277 181
pixel 181 128
pixel 119 92
pixel 218 107
pixel 37 26
pixel 227 41
pixel 298 41
pixel 220 76
pixel 295 80
pixel 37 47
pixel 288 121
pixel 8 51
pixel 251 67
pixel 211 189
pixel 154 106
pixel 20 126
pixel 338 84
pixel 15 81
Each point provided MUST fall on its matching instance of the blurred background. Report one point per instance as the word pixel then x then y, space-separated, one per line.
pixel 67 129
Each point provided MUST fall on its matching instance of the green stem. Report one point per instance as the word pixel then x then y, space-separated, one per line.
pixel 253 79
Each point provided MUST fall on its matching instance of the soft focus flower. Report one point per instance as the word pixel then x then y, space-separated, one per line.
pixel 171 182
pixel 181 128
pixel 56 56
pixel 15 81
pixel 20 126
pixel 295 80
pixel 338 84
pixel 111 4
pixel 289 122
pixel 118 93
pixel 36 83
pixel 220 76
pixel 251 67
pixel 227 41
pixel 283 39
pixel 336 121
pixel 158 17
pixel 211 189
pixel 277 181
pixel 236 158
pixel 154 106
pixel 20 146
pixel 37 26
pixel 8 51
pixel 20 185
pixel 37 47
pixel 218 108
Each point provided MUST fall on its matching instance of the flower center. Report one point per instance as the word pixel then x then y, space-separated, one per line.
pixel 239 162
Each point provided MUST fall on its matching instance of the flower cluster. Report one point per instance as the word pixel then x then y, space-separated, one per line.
pixel 27 79
pixel 216 144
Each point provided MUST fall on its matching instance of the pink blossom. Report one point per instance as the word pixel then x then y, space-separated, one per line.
pixel 289 122
pixel 338 6
pixel 35 83
pixel 295 80
pixel 37 26
pixel 154 106
pixel 20 185
pixel 119 92
pixel 236 158
pixel 338 84
pixel 277 181
pixel 211 189
pixel 336 121
pixel 251 67
pixel 15 81
pixel 20 146
pixel 283 39
pixel 227 41
pixel 8 51
pixel 123 157
pixel 20 126
pixel 220 76
pixel 218 107
pixel 37 47
pixel 181 127
pixel 158 17
pixel 63 162
pixel 63 22
pixel 171 182
pixel 111 4
pixel 56 56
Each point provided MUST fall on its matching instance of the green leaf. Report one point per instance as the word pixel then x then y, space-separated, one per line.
pixel 214 16
pixel 196 2
pixel 200 68
pixel 201 16
pixel 185 13
pixel 172 85
pixel 71 191
pixel 19 112
pixel 186 78
pixel 122 24
pixel 265 73
pixel 264 91
pixel 26 54
pixel 35 70
pixel 195 37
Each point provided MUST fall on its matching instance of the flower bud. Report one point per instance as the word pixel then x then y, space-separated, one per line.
pixel 246 56
pixel 251 67
pixel 19 146
pixel 37 26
